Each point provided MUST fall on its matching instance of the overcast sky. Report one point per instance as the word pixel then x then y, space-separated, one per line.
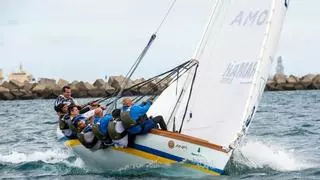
pixel 86 40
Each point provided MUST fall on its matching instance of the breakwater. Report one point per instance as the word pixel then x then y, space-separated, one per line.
pixel 50 88
pixel 281 82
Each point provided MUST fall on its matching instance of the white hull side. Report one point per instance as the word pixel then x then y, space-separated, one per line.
pixel 155 148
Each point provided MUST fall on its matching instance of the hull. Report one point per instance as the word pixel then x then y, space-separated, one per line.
pixel 161 147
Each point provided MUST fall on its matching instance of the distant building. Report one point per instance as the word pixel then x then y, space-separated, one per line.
pixel 279 67
pixel 20 75
pixel 46 81
pixel 1 76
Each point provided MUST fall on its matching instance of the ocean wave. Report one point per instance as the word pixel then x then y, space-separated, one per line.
pixel 296 131
pixel 50 156
pixel 258 155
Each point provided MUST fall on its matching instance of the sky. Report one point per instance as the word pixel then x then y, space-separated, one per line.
pixel 86 40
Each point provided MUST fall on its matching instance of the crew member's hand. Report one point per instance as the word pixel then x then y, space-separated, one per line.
pixel 145 102
pixel 94 104
pixel 103 107
pixel 151 101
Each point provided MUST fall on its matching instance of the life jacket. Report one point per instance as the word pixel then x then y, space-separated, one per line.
pixel 62 123
pixel 67 127
pixel 127 121
pixel 99 135
pixel 113 134
pixel 71 125
pixel 81 137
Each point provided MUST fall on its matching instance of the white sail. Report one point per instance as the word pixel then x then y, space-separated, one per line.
pixel 235 57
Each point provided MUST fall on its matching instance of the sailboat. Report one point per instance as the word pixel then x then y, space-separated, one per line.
pixel 209 108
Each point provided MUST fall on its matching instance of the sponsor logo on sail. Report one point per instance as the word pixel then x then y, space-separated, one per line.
pixel 243 71
pixel 251 18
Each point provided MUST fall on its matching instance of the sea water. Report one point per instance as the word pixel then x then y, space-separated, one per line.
pixel 283 142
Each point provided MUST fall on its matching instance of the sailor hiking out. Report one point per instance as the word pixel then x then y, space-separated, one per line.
pixel 116 130
pixel 95 130
pixel 65 98
pixel 65 121
pixel 135 120
pixel 83 124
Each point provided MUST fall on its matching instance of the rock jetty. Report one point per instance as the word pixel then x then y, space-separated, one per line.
pixel 281 82
pixel 50 88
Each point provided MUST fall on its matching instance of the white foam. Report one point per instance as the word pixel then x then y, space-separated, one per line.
pixel 49 156
pixel 259 155
pixel 77 163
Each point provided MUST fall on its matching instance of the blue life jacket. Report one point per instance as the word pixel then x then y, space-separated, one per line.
pixel 137 113
pixel 100 128
pixel 104 121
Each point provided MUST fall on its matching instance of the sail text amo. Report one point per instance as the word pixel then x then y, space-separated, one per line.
pixel 252 18
pixel 242 71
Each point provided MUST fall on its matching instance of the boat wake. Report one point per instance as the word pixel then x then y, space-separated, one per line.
pixel 251 158
pixel 264 157
pixel 65 162
pixel 54 156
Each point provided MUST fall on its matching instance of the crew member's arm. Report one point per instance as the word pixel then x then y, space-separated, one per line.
pixel 140 110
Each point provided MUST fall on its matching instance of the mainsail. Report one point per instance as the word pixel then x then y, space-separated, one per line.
pixel 235 57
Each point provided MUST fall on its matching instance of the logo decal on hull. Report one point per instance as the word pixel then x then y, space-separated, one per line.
pixel 171 144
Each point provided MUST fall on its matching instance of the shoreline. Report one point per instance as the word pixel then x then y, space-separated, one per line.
pixel 49 89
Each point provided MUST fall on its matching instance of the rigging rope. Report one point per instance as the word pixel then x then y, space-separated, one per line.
pixel 133 68
pixel 182 92
pixel 143 53
pixel 171 73
pixel 186 109
pixel 166 15
pixel 168 75
pixel 135 65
